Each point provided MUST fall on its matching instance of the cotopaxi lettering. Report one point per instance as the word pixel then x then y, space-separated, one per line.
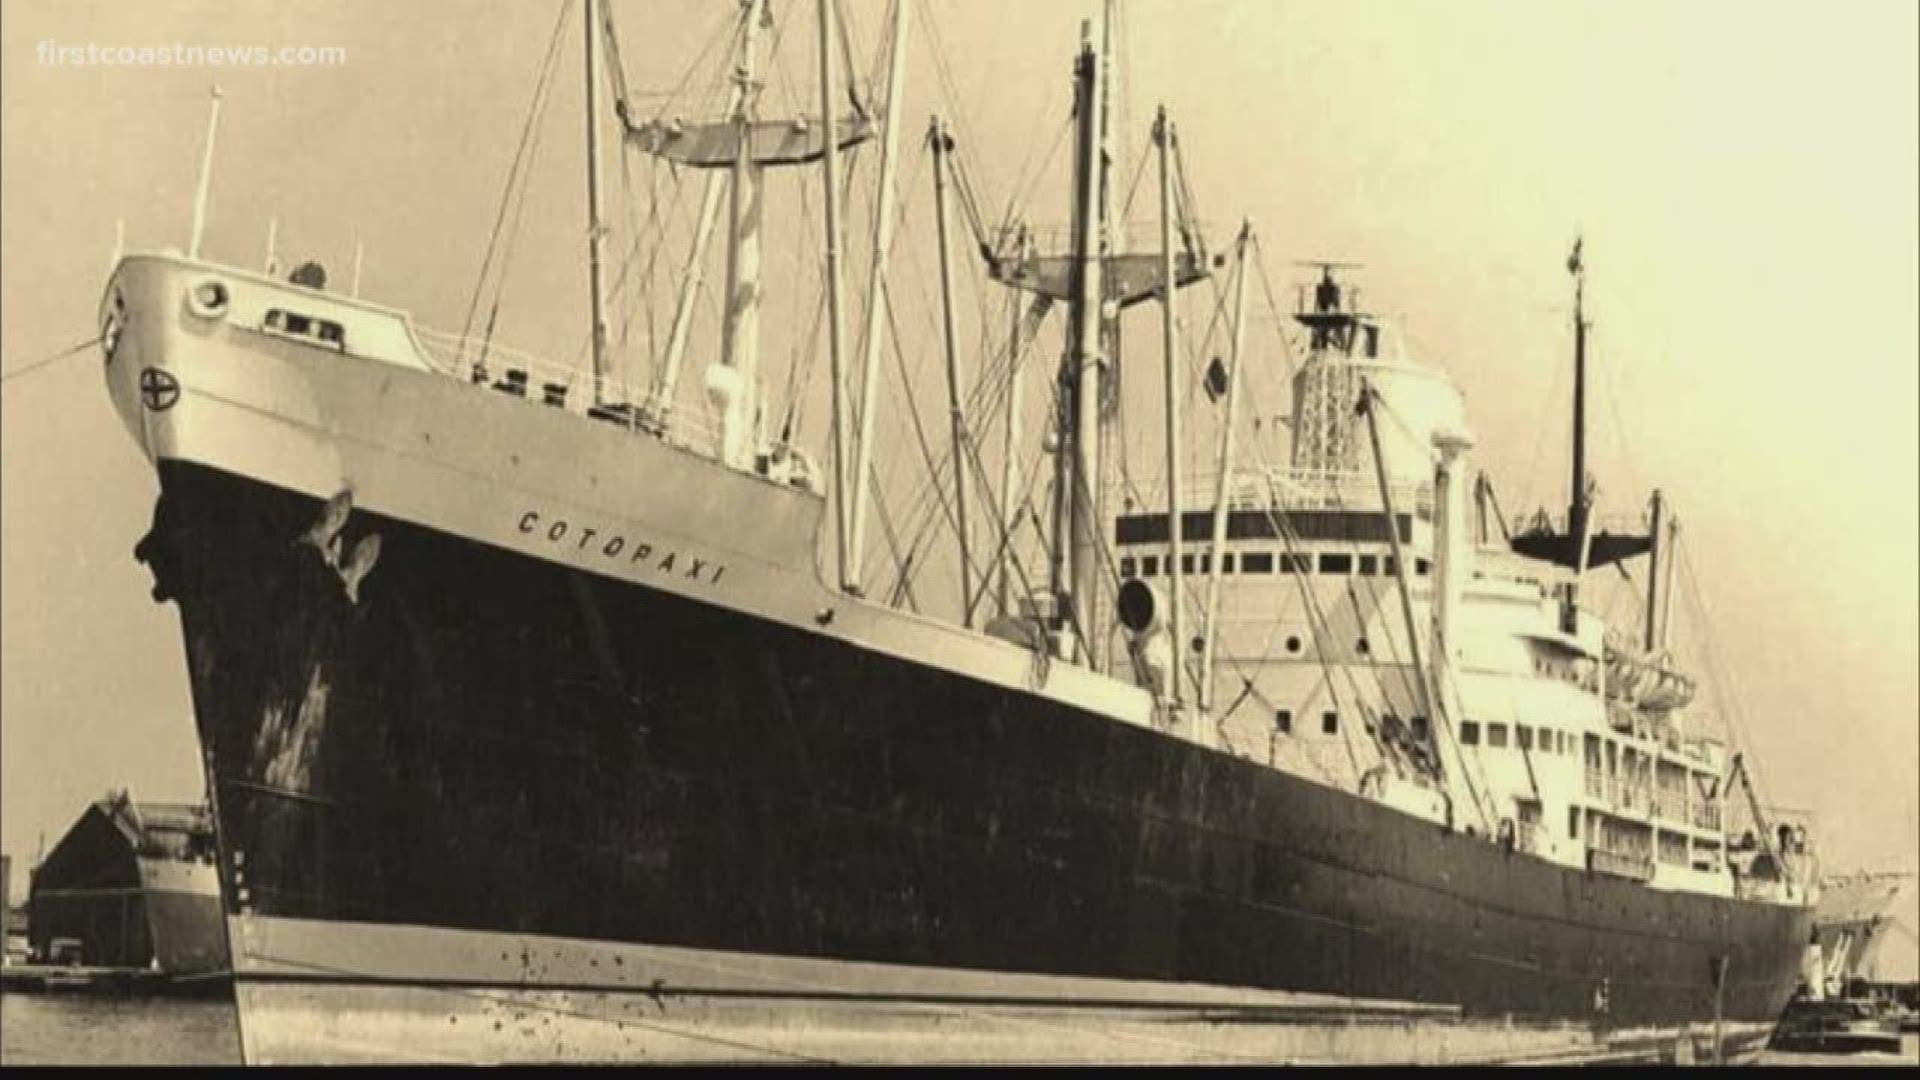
pixel 562 533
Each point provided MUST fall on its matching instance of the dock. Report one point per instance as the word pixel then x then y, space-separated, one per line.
pixel 107 981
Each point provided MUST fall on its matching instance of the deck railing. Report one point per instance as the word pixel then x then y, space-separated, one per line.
pixel 513 371
pixel 1620 863
pixel 1274 489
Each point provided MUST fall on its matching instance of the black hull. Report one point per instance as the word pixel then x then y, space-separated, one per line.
pixel 489 741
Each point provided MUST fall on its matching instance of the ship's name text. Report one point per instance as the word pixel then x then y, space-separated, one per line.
pixel 562 533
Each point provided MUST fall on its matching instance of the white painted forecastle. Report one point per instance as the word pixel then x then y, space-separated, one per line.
pixel 355 400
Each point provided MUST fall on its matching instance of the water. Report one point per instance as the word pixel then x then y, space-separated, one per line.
pixel 76 1029
pixel 79 1029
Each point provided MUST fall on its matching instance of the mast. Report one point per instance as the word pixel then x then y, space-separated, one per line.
pixel 1112 241
pixel 1580 546
pixel 1010 463
pixel 1220 491
pixel 692 279
pixel 206 176
pixel 942 146
pixel 738 148
pixel 1672 549
pixel 1116 238
pixel 731 382
pixel 1656 555
pixel 876 292
pixel 596 230
pixel 1577 490
pixel 1163 137
pixel 1086 368
pixel 693 276
pixel 830 172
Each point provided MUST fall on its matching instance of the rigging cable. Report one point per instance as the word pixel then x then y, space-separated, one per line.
pixel 729 29
pixel 535 108
pixel 33 366
pixel 1731 706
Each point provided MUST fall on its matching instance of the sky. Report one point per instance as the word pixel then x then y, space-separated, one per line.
pixel 1744 176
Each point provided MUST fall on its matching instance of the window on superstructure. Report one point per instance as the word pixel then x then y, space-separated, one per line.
pixel 1524 735
pixel 1336 563
pixel 1126 567
pixel 1186 564
pixel 1573 822
pixel 1330 722
pixel 1283 721
pixel 1256 562
pixel 1296 564
pixel 293 324
pixel 1421 566
pixel 1226 563
pixel 1149 565
pixel 1496 734
pixel 1419 726
pixel 1387 566
pixel 1369 565
pixel 1469 733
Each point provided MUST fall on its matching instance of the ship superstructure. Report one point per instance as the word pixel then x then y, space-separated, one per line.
pixel 1534 723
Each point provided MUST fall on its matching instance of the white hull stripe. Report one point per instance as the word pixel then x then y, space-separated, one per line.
pixel 393 993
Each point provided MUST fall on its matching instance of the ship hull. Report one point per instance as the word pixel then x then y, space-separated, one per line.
pixel 494 699
pixel 490 743
pixel 184 917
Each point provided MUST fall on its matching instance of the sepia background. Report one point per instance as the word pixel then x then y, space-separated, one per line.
pixel 1744 175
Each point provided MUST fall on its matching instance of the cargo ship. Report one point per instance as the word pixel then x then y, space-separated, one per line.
pixel 548 722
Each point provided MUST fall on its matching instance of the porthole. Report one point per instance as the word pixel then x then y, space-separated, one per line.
pixel 1362 647
pixel 208 299
pixel 1293 643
